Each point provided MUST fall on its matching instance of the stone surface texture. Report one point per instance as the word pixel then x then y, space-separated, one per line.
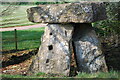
pixel 82 12
pixel 54 54
pixel 69 29
pixel 88 49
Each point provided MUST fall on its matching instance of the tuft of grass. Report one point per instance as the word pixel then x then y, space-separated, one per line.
pixel 11 76
pixel 41 74
pixel 20 77
pixel 111 74
pixel 27 39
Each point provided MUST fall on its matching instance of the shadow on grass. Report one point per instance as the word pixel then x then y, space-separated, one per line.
pixel 18 59
pixel 10 51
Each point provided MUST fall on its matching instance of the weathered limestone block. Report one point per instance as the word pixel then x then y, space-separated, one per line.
pixel 54 54
pixel 88 49
pixel 82 12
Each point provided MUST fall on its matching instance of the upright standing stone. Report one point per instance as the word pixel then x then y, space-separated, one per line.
pixel 88 49
pixel 54 54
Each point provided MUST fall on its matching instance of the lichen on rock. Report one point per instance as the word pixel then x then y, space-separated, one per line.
pixel 83 12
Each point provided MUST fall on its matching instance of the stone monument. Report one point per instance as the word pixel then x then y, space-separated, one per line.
pixel 68 25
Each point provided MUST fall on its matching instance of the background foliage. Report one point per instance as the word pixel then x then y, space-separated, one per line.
pixel 111 26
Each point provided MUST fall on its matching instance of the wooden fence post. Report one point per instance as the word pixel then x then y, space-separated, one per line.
pixel 16 40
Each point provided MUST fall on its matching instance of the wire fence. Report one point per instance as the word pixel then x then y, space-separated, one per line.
pixel 22 39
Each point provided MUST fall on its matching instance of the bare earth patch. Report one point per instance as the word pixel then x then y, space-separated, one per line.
pixel 17 63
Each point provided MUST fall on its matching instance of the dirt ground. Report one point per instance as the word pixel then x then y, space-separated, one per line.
pixel 16 62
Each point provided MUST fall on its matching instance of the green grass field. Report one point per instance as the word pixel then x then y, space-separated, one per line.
pixel 18 16
pixel 112 74
pixel 27 39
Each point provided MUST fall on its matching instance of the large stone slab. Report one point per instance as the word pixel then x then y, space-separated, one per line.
pixel 88 49
pixel 82 12
pixel 54 54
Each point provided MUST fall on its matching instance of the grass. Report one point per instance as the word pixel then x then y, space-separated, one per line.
pixel 111 74
pixel 41 74
pixel 27 39
pixel 18 17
